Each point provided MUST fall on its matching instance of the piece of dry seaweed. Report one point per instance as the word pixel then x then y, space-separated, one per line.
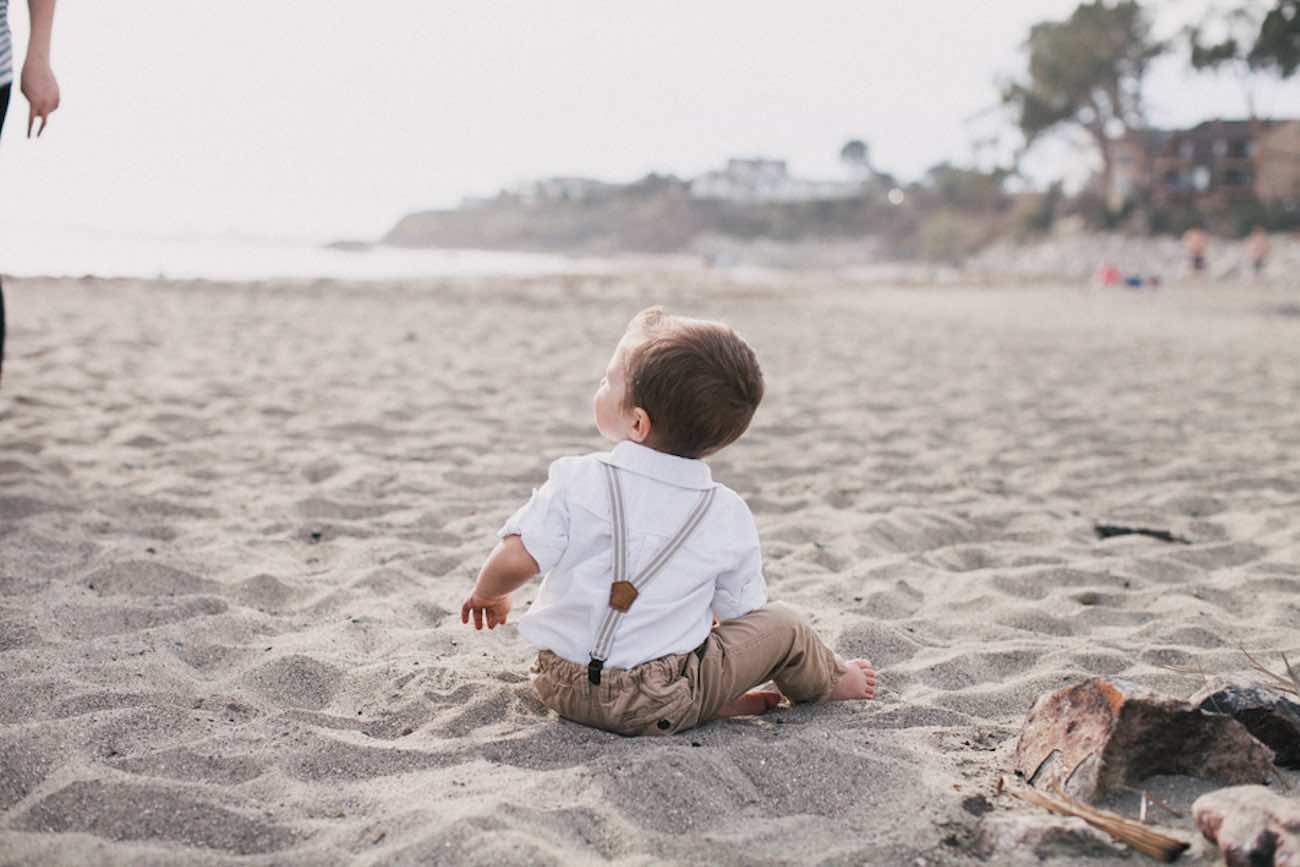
pixel 1105 531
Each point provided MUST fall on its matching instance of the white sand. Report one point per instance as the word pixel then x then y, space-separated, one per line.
pixel 237 522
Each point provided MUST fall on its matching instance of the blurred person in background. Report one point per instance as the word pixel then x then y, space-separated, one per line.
pixel 38 86
pixel 1257 247
pixel 1195 242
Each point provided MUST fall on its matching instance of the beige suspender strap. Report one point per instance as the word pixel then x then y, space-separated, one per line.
pixel 622 591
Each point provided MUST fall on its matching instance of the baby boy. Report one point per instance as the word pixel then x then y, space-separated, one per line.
pixel 653 616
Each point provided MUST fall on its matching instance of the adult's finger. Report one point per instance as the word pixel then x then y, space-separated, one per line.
pixel 464 613
pixel 32 114
pixel 478 618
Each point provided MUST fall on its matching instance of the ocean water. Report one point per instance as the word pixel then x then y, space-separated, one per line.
pixel 31 252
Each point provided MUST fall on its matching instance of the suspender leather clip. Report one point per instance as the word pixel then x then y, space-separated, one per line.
pixel 593 671
pixel 621 595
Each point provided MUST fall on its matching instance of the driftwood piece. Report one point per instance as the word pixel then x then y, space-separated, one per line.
pixel 1156 844
pixel 1105 734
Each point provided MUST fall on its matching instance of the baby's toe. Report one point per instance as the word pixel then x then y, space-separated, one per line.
pixel 869 688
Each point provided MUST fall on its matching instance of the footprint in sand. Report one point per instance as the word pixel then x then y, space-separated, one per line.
pixel 123 812
pixel 296 681
pixel 147 578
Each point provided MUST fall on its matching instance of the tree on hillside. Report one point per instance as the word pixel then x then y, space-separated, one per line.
pixel 1277 47
pixel 1221 41
pixel 1086 73
pixel 969 190
pixel 857 156
pixel 1259 36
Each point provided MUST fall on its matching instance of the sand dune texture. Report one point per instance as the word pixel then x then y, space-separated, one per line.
pixel 237 522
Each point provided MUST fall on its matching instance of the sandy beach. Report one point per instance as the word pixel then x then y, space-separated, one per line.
pixel 237 522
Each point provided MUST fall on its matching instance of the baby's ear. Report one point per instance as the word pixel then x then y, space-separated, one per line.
pixel 640 429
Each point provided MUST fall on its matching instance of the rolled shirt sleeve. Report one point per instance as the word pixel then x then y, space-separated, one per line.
pixel 543 522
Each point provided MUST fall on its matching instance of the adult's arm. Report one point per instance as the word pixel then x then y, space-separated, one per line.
pixel 38 82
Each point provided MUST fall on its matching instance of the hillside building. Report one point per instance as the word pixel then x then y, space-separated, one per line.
pixel 1210 165
pixel 562 189
pixel 766 180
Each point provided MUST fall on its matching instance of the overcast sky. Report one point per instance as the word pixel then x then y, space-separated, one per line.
pixel 326 119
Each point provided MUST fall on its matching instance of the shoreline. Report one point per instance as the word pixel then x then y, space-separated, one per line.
pixel 1063 259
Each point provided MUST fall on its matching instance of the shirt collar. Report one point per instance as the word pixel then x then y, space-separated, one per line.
pixel 645 461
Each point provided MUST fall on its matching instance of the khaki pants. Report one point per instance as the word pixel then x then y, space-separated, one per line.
pixel 677 692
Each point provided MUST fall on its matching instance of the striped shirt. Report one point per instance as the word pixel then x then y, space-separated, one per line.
pixel 6 46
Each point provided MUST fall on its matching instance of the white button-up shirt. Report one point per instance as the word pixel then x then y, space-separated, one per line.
pixel 566 528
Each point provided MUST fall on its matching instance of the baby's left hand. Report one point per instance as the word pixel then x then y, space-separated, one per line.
pixel 494 609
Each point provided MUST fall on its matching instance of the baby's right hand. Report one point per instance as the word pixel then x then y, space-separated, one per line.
pixel 494 608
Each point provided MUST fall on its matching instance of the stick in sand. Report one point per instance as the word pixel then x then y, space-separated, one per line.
pixel 1152 799
pixel 1289 684
pixel 1160 846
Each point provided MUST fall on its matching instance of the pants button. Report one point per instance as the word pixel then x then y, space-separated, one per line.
pixel 664 725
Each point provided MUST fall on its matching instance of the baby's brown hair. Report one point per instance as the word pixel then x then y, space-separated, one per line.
pixel 698 381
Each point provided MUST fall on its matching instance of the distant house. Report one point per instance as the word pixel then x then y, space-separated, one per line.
pixel 765 180
pixel 469 203
pixel 562 189
pixel 1212 164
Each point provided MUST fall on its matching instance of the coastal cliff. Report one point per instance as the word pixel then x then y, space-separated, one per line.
pixel 651 216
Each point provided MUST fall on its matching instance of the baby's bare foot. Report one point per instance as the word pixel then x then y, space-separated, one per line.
pixel 751 703
pixel 856 684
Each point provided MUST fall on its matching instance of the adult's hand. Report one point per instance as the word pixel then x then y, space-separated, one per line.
pixel 42 92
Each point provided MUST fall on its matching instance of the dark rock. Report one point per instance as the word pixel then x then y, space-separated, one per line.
pixel 1271 718
pixel 1251 826
pixel 1103 734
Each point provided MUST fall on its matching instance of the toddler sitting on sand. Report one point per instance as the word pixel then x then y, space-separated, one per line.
pixel 653 615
